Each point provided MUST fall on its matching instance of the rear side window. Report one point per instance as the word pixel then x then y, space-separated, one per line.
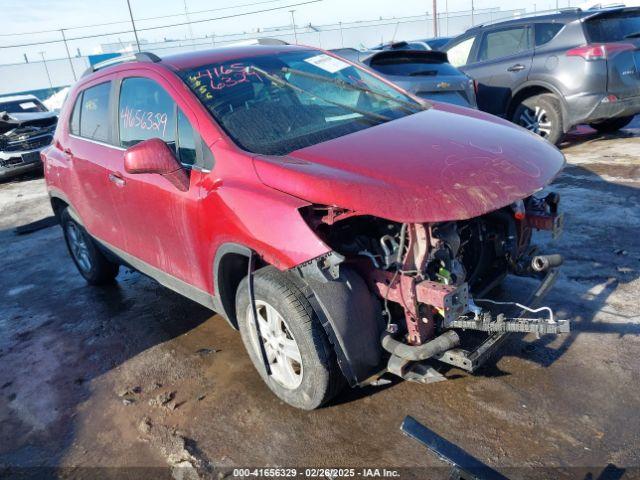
pixel 146 111
pixel 544 32
pixel 74 124
pixel 459 54
pixel 614 27
pixel 503 43
pixel 94 117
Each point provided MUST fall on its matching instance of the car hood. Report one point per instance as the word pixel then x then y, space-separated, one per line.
pixel 445 163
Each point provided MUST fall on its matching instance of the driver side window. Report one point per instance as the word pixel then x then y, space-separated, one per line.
pixel 145 111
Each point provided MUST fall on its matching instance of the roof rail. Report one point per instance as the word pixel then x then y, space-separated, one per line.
pixel 135 57
pixel 518 16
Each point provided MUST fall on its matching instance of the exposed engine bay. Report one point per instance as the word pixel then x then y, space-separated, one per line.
pixel 432 279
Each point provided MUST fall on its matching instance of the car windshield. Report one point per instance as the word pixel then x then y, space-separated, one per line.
pixel 275 104
pixel 22 106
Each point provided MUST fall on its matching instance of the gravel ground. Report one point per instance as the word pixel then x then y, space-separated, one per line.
pixel 135 380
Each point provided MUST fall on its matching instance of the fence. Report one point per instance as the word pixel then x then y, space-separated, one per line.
pixel 23 77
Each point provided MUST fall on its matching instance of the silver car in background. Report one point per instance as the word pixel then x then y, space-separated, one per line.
pixel 425 73
pixel 26 127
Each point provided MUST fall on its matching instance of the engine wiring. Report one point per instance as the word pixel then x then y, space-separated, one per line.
pixel 551 318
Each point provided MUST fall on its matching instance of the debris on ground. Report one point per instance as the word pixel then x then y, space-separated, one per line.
pixel 162 399
pixel 179 451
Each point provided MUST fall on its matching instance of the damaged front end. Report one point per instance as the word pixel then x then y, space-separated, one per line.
pixel 22 137
pixel 433 280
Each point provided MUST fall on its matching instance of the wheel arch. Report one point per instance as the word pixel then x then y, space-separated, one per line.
pixel 59 202
pixel 348 311
pixel 230 266
pixel 529 89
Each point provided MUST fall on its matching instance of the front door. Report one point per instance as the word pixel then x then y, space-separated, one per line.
pixel 160 220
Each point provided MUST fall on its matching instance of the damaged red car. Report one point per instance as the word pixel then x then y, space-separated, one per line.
pixel 345 227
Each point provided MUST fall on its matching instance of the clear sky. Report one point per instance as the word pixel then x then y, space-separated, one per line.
pixel 36 15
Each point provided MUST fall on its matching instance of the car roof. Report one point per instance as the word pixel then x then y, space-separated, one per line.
pixel 564 15
pixel 18 98
pixel 187 60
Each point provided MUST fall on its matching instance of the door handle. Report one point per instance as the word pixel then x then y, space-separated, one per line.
pixel 117 179
pixel 515 68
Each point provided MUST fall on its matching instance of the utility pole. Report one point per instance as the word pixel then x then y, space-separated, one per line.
pixel 435 18
pixel 446 12
pixel 133 24
pixel 293 21
pixel 186 15
pixel 341 35
pixel 66 46
pixel 46 69
pixel 472 19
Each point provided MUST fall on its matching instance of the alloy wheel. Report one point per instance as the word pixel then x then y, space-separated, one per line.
pixel 78 247
pixel 536 120
pixel 281 347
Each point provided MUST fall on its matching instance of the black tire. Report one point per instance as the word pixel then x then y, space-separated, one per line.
pixel 611 125
pixel 321 378
pixel 542 115
pixel 100 271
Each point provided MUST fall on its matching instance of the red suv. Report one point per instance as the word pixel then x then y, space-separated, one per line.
pixel 345 227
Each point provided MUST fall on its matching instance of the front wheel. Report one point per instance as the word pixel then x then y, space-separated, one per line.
pixel 90 261
pixel 541 115
pixel 304 370
pixel 611 125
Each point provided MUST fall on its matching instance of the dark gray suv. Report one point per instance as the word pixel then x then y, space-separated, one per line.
pixel 550 73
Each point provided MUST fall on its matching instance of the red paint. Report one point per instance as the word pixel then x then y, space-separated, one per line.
pixel 442 164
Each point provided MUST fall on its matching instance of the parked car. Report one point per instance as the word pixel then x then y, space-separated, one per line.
pixel 552 72
pixel 435 43
pixel 26 127
pixel 426 74
pixel 345 228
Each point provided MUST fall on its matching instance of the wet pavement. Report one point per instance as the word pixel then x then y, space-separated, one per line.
pixel 132 378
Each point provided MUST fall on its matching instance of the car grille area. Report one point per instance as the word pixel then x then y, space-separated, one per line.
pixel 26 143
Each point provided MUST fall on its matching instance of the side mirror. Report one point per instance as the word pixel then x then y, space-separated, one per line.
pixel 155 156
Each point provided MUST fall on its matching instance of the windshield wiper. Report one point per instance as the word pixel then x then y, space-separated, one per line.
pixel 338 81
pixel 633 35
pixel 284 83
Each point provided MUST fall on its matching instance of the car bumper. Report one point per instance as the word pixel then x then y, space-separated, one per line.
pixel 15 163
pixel 597 107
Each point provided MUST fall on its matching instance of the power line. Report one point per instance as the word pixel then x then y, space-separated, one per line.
pixel 120 22
pixel 158 27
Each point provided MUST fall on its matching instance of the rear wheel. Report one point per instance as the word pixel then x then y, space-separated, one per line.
pixel 90 261
pixel 304 370
pixel 611 125
pixel 541 115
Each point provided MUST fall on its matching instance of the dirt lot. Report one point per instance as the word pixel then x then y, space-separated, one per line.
pixel 135 376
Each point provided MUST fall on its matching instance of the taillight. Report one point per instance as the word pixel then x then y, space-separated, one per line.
pixel 599 51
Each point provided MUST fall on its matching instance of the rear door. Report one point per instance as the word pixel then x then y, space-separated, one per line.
pixel 94 157
pixel 160 222
pixel 500 63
